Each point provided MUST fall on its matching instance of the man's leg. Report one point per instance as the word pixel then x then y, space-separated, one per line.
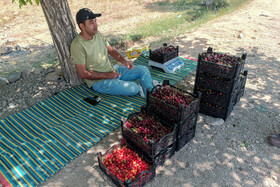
pixel 116 87
pixel 138 72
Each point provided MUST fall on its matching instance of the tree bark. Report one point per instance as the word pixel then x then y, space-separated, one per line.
pixel 63 30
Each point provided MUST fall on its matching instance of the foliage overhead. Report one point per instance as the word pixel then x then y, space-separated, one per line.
pixel 25 2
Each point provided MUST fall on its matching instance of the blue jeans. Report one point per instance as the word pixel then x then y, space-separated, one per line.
pixel 123 85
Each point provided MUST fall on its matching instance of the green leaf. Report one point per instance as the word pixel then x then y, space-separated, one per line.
pixel 37 2
pixel 140 118
pixel 29 1
pixel 244 144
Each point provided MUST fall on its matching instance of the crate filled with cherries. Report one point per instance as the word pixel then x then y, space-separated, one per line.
pixel 171 103
pixel 164 53
pixel 220 64
pixel 150 135
pixel 125 167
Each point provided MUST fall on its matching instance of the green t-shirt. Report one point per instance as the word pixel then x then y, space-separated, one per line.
pixel 93 53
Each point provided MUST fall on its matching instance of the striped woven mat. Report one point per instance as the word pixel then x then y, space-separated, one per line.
pixel 39 141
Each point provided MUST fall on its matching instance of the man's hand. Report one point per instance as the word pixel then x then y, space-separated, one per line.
pixel 117 56
pixel 85 74
pixel 128 64
pixel 113 75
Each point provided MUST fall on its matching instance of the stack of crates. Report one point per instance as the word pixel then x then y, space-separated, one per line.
pixel 184 117
pixel 221 84
pixel 159 151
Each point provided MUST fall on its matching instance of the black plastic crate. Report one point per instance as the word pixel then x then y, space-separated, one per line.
pixel 150 148
pixel 162 57
pixel 242 82
pixel 168 112
pixel 165 154
pixel 217 83
pixel 241 87
pixel 216 98
pixel 216 111
pixel 141 179
pixel 190 123
pixel 225 71
pixel 184 139
pixel 161 157
pixel 239 95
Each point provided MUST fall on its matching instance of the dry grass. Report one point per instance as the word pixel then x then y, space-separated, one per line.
pixel 28 25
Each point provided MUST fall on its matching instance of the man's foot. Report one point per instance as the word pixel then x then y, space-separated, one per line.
pixel 155 83
pixel 141 92
pixel 274 140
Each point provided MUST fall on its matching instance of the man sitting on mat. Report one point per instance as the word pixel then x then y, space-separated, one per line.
pixel 89 52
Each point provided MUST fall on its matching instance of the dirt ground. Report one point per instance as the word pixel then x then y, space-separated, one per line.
pixel 233 154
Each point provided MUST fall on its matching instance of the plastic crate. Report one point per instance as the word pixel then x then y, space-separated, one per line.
pixel 168 112
pixel 216 98
pixel 230 72
pixel 242 82
pixel 190 123
pixel 141 179
pixel 163 57
pixel 216 111
pixel 165 154
pixel 212 82
pixel 151 148
pixel 187 137
pixel 239 95
pixel 160 158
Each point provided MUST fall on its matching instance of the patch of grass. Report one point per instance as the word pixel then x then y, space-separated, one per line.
pixel 156 27
pixel 182 15
pixel 117 41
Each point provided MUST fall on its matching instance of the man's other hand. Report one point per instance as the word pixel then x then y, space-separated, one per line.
pixel 113 75
pixel 128 64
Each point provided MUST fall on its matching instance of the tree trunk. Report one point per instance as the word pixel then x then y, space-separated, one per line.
pixel 63 30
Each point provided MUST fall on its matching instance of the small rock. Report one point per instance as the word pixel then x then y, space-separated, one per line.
pixel 3 81
pixel 25 93
pixel 5 50
pixel 37 71
pixel 240 35
pixel 11 106
pixel 14 77
pixel 30 50
pixel 52 76
pixel 214 121
pixel 17 48
pixel 264 15
pixel 25 74
pixel 37 95
pixel 11 40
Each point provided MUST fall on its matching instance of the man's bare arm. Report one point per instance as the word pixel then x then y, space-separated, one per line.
pixel 85 74
pixel 116 55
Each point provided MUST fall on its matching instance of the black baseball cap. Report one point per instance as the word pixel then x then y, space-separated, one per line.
pixel 84 14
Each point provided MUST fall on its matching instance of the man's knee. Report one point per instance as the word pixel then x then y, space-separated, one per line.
pixel 132 89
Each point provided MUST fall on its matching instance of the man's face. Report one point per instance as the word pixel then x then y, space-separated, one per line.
pixel 90 27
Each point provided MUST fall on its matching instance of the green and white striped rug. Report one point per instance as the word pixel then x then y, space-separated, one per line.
pixel 37 142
